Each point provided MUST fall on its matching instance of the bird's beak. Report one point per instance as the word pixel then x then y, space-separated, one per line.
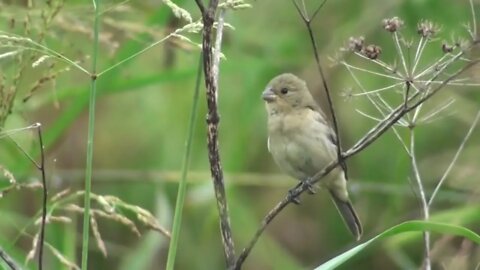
pixel 268 95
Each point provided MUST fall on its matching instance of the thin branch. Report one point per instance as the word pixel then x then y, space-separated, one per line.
pixel 423 198
pixel 24 152
pixel 416 113
pixel 211 71
pixel 317 10
pixel 439 64
pixel 457 154
pixel 384 65
pixel 9 132
pixel 436 111
pixel 142 51
pixel 40 48
pixel 370 137
pixel 300 12
pixel 201 7
pixel 368 116
pixel 45 197
pixel 474 21
pixel 372 72
pixel 8 260
pixel 421 45
pixel 400 52
pixel 41 167
pixel 375 91
pixel 313 42
pixel 452 83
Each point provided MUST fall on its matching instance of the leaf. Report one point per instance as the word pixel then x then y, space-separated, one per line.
pixel 409 226
pixel 459 216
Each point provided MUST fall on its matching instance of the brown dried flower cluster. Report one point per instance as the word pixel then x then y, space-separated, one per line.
pixel 356 44
pixel 446 48
pixel 427 29
pixel 371 51
pixel 392 24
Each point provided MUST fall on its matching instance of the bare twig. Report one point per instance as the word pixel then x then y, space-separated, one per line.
pixel 41 167
pixel 474 21
pixel 361 144
pixel 45 197
pixel 423 197
pixel 8 260
pixel 200 6
pixel 210 67
pixel 449 168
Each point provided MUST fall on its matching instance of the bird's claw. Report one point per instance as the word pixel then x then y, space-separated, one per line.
pixel 293 198
pixel 310 189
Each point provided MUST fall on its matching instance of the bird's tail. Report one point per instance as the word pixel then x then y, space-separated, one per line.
pixel 349 216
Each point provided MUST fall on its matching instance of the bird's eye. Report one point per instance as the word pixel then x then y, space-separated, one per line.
pixel 284 90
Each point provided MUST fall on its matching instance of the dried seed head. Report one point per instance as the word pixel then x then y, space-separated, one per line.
pixel 372 51
pixel 447 48
pixel 427 29
pixel 392 24
pixel 356 44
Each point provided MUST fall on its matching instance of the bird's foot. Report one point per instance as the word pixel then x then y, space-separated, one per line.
pixel 293 198
pixel 310 188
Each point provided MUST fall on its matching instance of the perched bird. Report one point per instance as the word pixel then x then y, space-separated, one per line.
pixel 302 142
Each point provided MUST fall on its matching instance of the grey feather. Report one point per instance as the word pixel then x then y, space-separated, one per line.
pixel 349 216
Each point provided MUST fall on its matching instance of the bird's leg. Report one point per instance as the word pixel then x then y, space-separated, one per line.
pixel 310 188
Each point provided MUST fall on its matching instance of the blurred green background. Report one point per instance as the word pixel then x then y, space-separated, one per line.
pixel 141 128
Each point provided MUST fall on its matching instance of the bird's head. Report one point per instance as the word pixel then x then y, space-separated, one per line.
pixel 287 92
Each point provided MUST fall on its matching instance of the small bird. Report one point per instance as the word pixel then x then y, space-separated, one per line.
pixel 302 142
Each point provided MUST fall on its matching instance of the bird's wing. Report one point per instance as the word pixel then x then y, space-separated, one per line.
pixel 320 116
pixel 331 135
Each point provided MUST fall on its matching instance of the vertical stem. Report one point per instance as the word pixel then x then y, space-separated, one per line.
pixel 423 198
pixel 213 119
pixel 177 219
pixel 44 201
pixel 91 125
pixel 327 93
pixel 474 20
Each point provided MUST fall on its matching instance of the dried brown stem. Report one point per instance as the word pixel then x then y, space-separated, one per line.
pixel 210 67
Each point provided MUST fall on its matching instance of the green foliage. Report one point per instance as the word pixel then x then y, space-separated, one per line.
pixel 409 226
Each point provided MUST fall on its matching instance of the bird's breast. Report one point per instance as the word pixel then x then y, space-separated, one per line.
pixel 298 144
